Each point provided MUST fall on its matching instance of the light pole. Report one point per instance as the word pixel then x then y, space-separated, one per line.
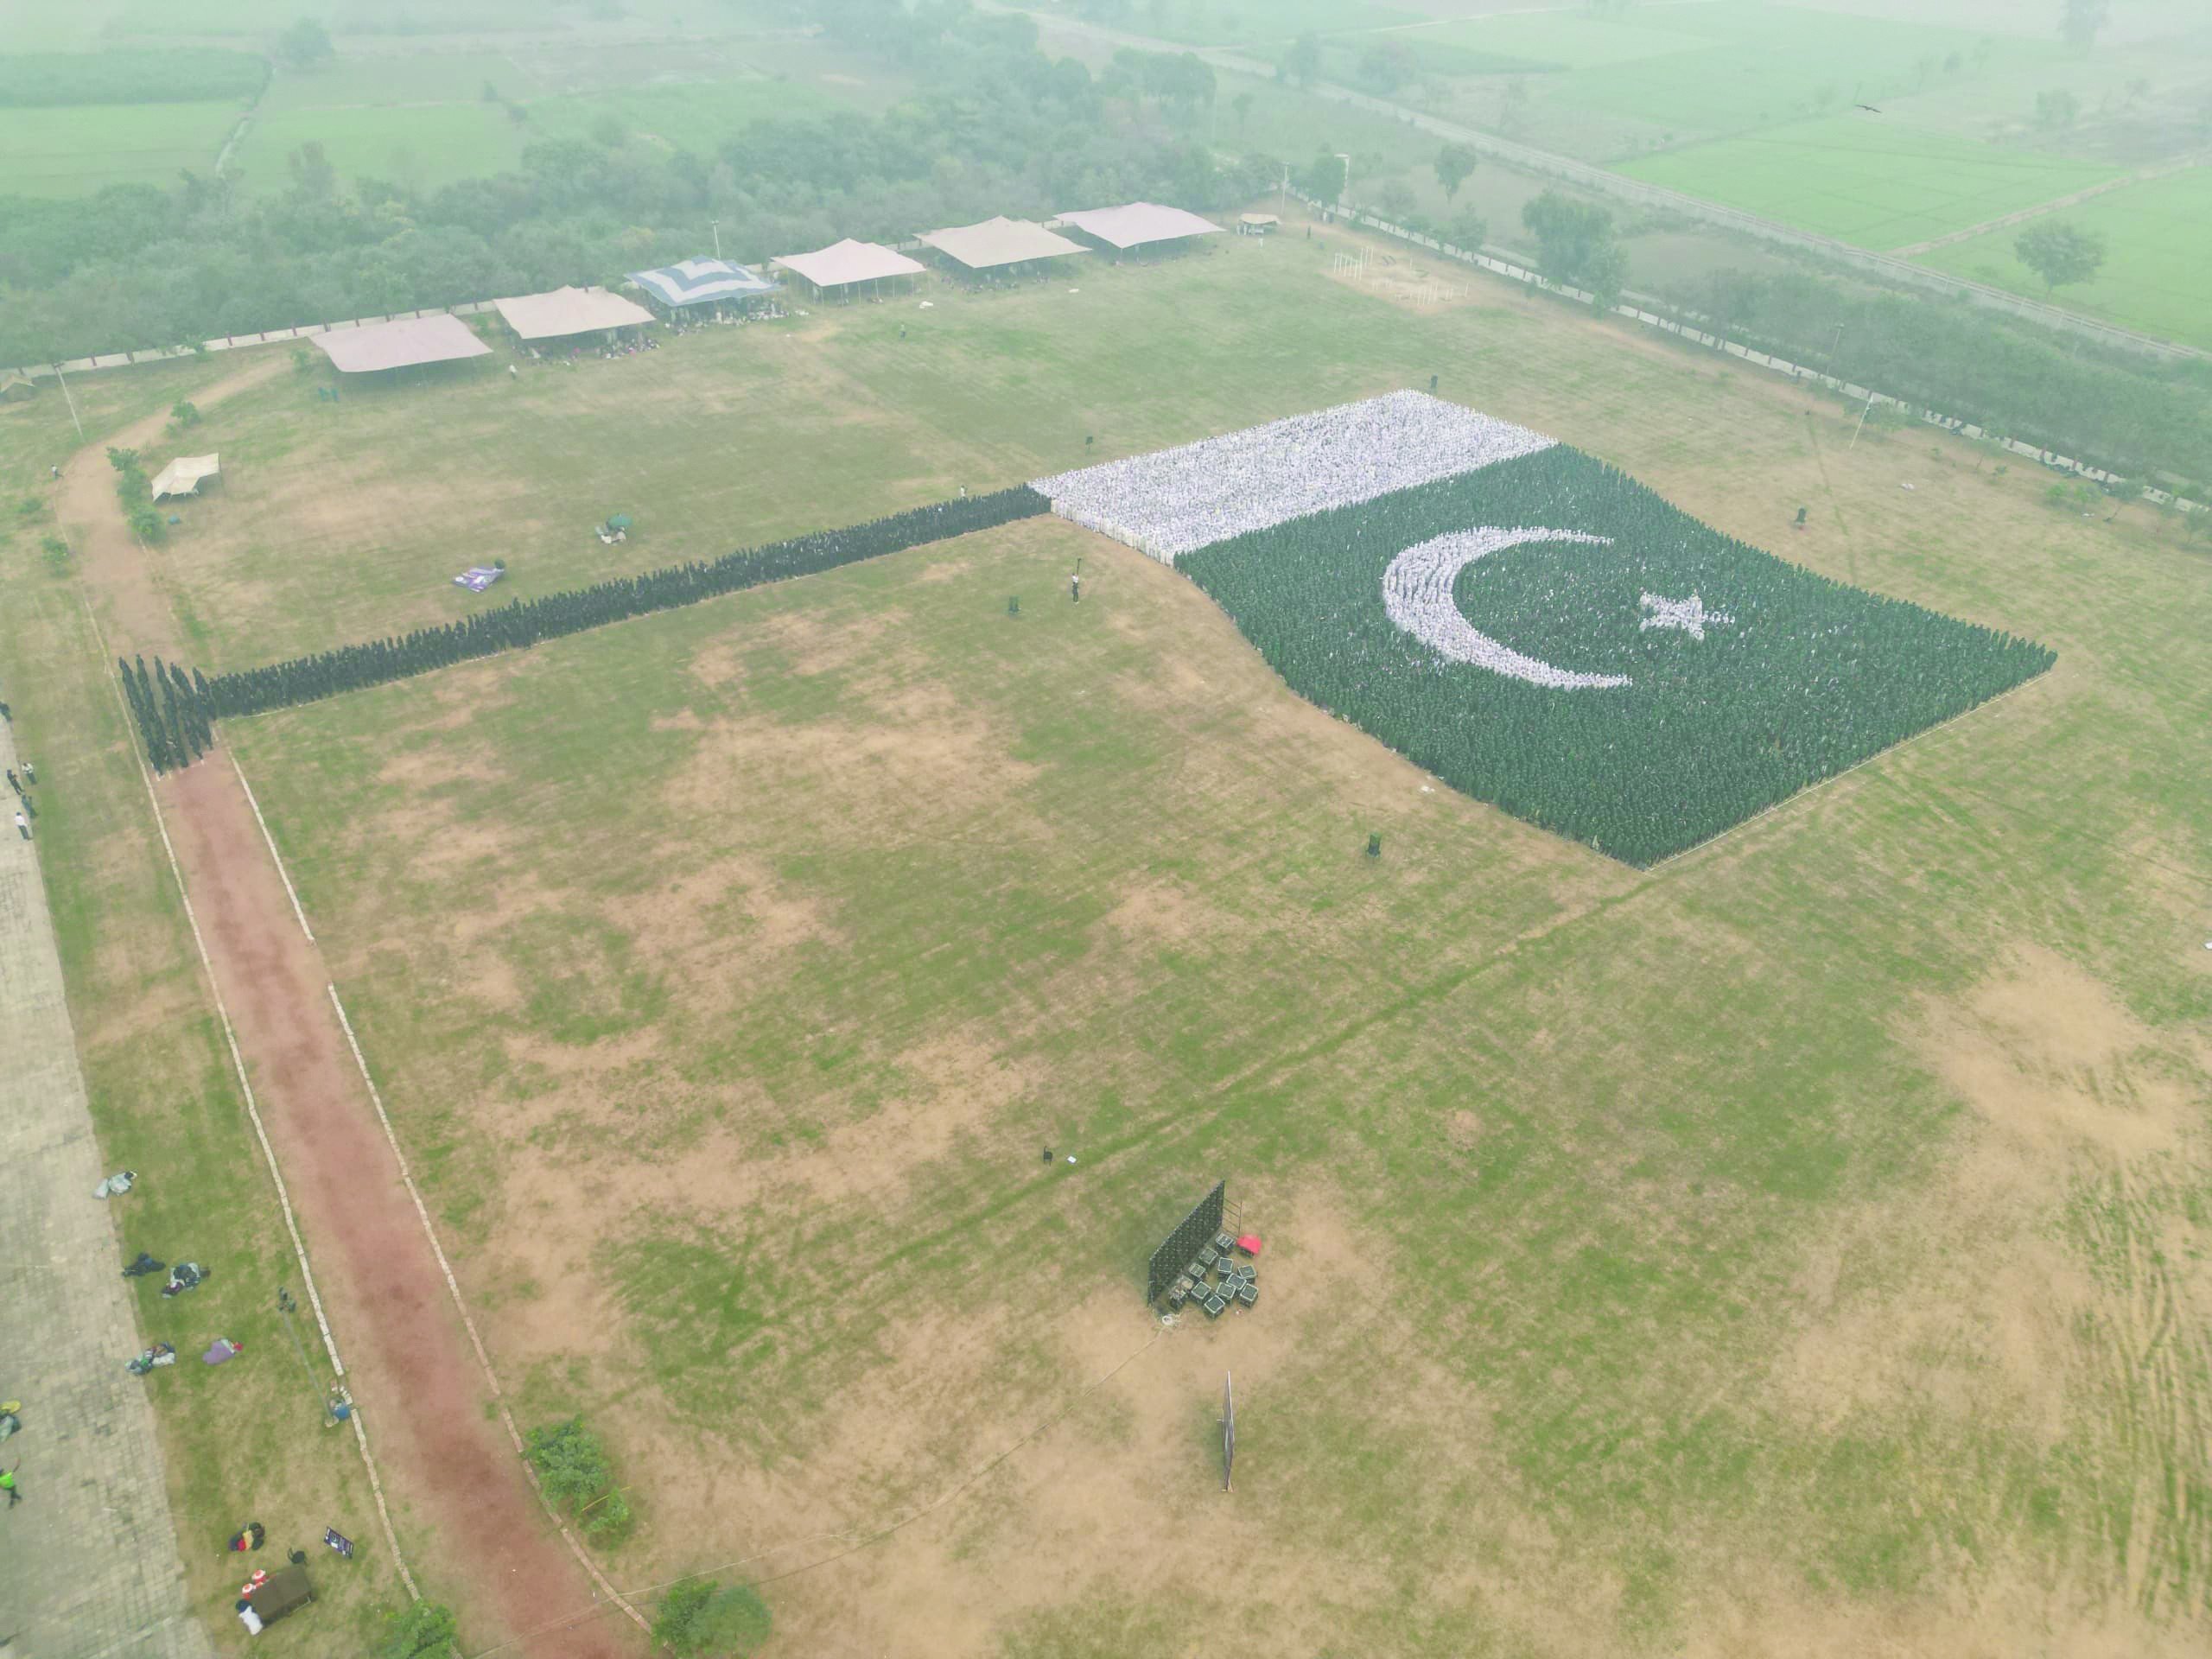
pixel 717 226
pixel 1344 192
pixel 286 1306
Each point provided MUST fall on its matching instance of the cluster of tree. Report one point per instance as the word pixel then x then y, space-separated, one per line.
pixel 2118 411
pixel 1795 676
pixel 350 668
pixel 1575 243
pixel 572 1466
pixel 2060 253
pixel 174 713
pixel 1001 130
pixel 136 491
pixel 701 1618
pixel 41 80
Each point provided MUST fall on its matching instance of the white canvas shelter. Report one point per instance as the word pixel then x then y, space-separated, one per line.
pixel 439 339
pixel 570 311
pixel 849 262
pixel 1138 223
pixel 182 475
pixel 998 242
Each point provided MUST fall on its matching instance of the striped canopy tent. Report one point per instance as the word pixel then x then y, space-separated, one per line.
pixel 703 281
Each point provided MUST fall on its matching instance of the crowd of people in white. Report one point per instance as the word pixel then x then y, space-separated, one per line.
pixel 1417 594
pixel 1175 501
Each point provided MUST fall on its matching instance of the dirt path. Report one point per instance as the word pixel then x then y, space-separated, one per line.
pixel 451 1466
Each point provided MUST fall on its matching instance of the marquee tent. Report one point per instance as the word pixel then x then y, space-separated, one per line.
pixel 439 339
pixel 568 311
pixel 998 242
pixel 848 262
pixel 702 281
pixel 1138 223
pixel 182 475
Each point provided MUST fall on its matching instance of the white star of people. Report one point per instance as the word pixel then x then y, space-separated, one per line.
pixel 1687 615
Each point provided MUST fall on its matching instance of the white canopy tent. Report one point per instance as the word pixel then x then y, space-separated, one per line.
pixel 182 475
pixel 440 338
pixel 998 242
pixel 1138 222
pixel 843 263
pixel 570 311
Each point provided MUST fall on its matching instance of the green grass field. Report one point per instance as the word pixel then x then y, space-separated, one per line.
pixel 2158 241
pixel 1771 1250
pixel 79 148
pixel 1856 177
pixel 423 148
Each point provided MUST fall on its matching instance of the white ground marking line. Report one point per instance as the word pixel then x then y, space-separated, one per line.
pixel 453 1286
pixel 275 857
pixel 253 1113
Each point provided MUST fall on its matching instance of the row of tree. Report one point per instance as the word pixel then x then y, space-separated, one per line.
pixel 378 662
pixel 136 491
pixel 174 712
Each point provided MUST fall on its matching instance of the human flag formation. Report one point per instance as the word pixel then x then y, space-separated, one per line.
pixel 1535 627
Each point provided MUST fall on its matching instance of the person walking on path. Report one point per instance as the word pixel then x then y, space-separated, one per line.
pixel 12 784
pixel 23 826
pixel 30 772
pixel 8 1484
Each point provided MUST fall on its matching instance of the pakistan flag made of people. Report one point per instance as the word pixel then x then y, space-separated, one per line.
pixel 1535 627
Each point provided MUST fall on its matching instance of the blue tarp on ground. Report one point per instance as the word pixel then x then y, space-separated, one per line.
pixel 702 281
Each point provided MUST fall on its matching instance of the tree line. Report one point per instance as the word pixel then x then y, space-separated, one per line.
pixel 177 713
pixel 1000 128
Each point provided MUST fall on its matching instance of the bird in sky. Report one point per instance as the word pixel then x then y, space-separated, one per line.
pixel 1869 109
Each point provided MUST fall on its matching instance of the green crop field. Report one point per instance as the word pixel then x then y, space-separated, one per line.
pixel 2159 246
pixel 1259 22
pixel 424 148
pixel 1770 1250
pixel 1867 181
pixel 79 148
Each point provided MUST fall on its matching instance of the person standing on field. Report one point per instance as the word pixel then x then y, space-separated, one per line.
pixel 30 772
pixel 23 826
pixel 8 1484
pixel 12 784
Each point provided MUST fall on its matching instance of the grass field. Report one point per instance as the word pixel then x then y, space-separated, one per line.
pixel 424 148
pixel 246 1441
pixel 1797 1251
pixel 1865 180
pixel 78 148
pixel 2158 241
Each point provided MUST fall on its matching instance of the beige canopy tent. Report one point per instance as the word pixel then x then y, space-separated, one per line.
pixel 568 311
pixel 1255 224
pixel 15 387
pixel 846 263
pixel 439 339
pixel 998 242
pixel 182 475
pixel 1138 223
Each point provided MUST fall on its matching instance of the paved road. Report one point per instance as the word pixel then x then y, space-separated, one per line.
pixel 88 1562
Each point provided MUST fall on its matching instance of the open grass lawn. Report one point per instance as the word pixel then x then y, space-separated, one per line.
pixel 244 1442
pixel 76 150
pixel 2158 246
pixel 1866 180
pixel 1800 1248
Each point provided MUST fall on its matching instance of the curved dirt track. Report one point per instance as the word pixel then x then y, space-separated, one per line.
pixel 448 1464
